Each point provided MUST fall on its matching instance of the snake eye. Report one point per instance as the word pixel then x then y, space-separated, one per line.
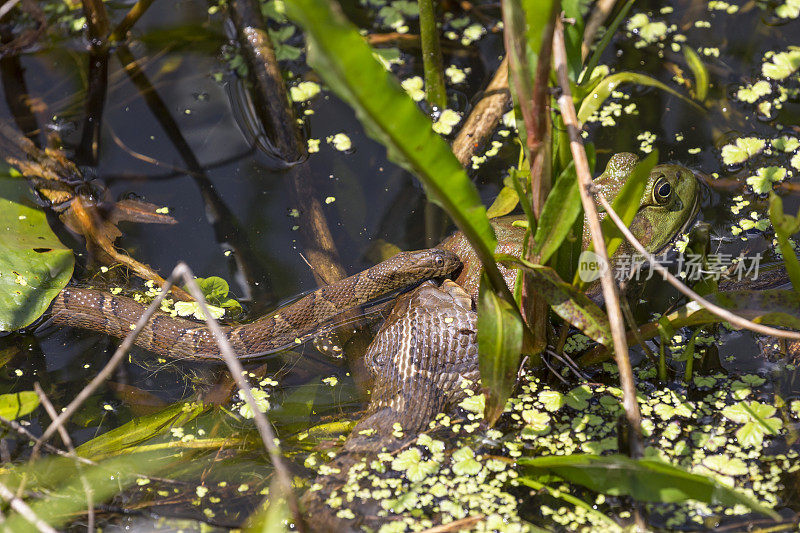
pixel 439 261
pixel 662 190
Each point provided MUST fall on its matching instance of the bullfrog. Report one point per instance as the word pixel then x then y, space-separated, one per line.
pixel 669 204
pixel 425 355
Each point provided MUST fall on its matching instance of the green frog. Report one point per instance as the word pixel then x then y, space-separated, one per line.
pixel 426 354
pixel 669 204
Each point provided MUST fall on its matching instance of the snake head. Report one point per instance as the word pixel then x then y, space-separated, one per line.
pixel 430 263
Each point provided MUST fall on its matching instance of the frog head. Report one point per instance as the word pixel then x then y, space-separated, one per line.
pixel 669 202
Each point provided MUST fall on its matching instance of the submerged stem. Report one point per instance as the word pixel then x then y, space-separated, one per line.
pixel 432 55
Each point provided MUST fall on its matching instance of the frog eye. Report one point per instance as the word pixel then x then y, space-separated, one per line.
pixel 662 190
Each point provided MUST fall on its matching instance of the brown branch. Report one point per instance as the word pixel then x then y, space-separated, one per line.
pixel 96 21
pixel 276 115
pixel 610 294
pixel 484 117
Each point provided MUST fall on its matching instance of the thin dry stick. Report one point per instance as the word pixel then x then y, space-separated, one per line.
pixel 22 508
pixel 262 424
pixel 52 413
pixel 607 281
pixel 8 6
pixel 49 447
pixel 238 373
pixel 721 312
pixel 107 370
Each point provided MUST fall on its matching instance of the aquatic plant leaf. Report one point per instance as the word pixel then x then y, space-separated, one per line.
pixel 16 404
pixel 786 226
pixel 594 100
pixel 594 59
pixel 499 347
pixel 741 150
pixel 700 72
pixel 757 419
pixel 573 35
pixel 273 516
pixel 339 54
pixel 647 479
pixel 34 265
pixel 524 23
pixel 60 480
pixel 507 199
pixel 127 436
pixel 566 301
pixel 561 208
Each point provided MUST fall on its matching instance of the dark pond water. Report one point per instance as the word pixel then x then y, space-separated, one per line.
pixel 186 53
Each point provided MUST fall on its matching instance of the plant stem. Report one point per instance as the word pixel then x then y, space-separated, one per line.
pixel 432 55
pixel 130 19
pixel 610 294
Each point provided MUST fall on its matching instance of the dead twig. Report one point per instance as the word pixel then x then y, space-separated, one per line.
pixel 23 509
pixel 238 373
pixel 52 413
pixel 235 367
pixel 609 288
pixel 721 312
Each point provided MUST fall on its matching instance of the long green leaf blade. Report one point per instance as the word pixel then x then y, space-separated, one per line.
pixel 627 202
pixel 339 54
pixel 647 479
pixel 499 347
pixel 565 300
pixel 560 210
pixel 595 99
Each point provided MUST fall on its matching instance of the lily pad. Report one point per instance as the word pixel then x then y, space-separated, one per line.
pixel 34 265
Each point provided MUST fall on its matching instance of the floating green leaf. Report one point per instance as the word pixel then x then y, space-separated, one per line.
pixel 17 404
pixel 757 421
pixel 34 265
pixel 782 65
pixel 742 149
pixel 764 177
pixel 499 346
pixel 649 479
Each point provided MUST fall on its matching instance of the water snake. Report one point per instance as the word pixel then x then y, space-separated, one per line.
pixel 179 338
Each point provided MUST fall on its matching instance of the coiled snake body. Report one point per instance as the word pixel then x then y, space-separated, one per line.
pixel 178 338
